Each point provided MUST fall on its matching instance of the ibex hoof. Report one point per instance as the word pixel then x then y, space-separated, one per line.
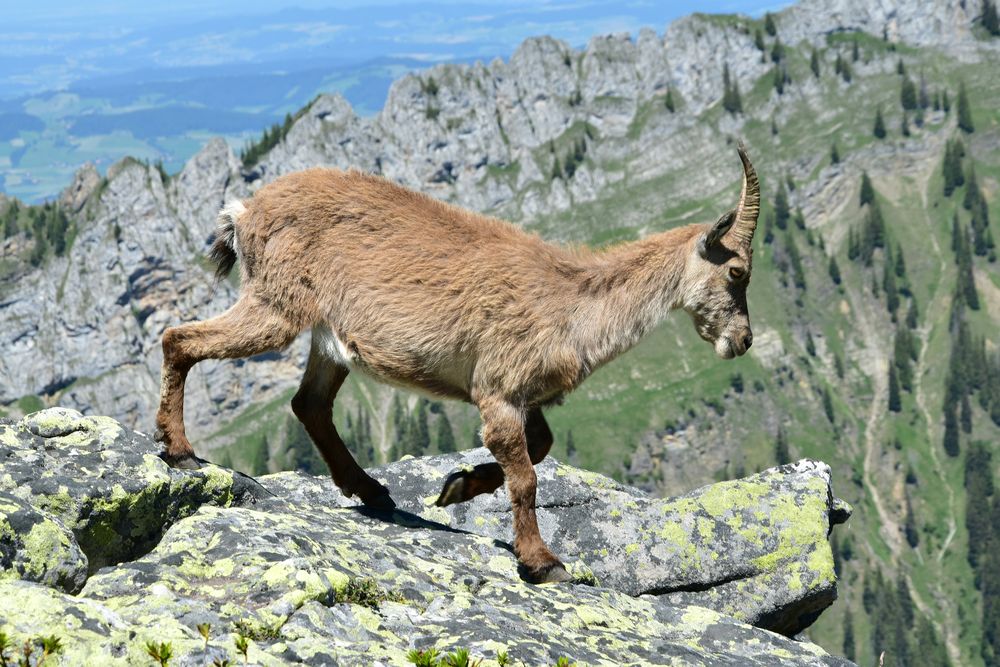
pixel 453 490
pixel 554 573
pixel 183 462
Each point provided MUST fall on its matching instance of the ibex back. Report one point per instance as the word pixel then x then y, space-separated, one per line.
pixel 424 295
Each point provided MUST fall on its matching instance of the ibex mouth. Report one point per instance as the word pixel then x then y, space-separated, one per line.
pixel 725 348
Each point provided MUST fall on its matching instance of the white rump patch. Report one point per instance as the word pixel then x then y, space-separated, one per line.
pixel 232 212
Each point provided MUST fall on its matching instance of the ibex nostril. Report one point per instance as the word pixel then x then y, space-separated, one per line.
pixel 747 341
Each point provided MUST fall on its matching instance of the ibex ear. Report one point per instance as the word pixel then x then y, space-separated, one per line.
pixel 718 230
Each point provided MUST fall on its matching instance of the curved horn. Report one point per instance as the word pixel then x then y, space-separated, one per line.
pixel 748 207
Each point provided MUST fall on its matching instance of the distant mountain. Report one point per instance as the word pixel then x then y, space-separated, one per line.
pixel 875 299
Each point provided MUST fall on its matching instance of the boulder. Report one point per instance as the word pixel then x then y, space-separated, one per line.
pixel 308 577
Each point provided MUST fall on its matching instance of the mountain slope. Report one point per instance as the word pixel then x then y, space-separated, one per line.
pixel 584 147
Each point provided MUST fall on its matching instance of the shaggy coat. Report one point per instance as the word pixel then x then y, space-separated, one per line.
pixel 427 296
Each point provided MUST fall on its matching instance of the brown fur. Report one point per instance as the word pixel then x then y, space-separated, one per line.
pixel 428 296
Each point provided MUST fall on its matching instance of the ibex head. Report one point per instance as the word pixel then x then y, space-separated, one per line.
pixel 718 272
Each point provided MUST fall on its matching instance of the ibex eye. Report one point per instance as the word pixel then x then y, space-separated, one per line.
pixel 736 273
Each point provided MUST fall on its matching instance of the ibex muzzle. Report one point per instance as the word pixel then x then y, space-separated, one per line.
pixel 424 295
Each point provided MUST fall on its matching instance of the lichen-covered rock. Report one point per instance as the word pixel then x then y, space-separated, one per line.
pixel 35 546
pixel 102 482
pixel 755 549
pixel 312 579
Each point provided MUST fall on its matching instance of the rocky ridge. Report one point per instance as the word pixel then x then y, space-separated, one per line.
pixel 105 547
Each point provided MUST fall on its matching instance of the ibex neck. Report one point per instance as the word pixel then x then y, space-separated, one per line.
pixel 629 290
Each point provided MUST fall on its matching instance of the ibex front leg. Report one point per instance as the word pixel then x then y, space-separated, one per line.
pixel 503 435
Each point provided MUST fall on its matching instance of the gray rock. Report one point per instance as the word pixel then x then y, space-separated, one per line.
pixel 755 549
pixel 312 579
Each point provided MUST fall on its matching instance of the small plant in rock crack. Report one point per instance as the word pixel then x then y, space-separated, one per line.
pixel 49 646
pixel 243 646
pixel 367 593
pixel 221 662
pixel 458 658
pixel 204 629
pixel 502 658
pixel 261 632
pixel 563 661
pixel 426 658
pixel 161 652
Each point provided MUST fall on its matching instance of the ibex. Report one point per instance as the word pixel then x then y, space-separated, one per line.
pixel 428 296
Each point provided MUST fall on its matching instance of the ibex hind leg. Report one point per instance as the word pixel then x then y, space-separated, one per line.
pixel 246 329
pixel 313 405
pixel 488 477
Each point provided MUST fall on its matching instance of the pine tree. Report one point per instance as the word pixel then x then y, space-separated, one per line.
pixel 10 227
pixel 445 435
pixel 978 490
pixel 731 101
pixel 855 53
pixel 945 102
pixel 781 452
pixel 795 259
pixel 834 271
pixel 950 440
pixel 848 648
pixel 904 125
pixel 845 72
pixel 834 154
pixel 972 192
pixel 867 191
pixel 758 40
pixel 906 612
pixel 778 81
pixel 814 63
pixel 879 129
pixel 895 404
pixel 769 25
pixel 912 315
pixel 777 51
pixel 900 262
pixel 901 358
pixel 828 401
pixel 951 168
pixel 781 210
pixel 965 414
pixel 810 344
pixel 668 100
pixel 964 111
pixel 257 456
pixel 908 94
pixel 900 67
pixel 990 20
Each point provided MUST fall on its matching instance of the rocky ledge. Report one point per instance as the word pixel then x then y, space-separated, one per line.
pixel 106 548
